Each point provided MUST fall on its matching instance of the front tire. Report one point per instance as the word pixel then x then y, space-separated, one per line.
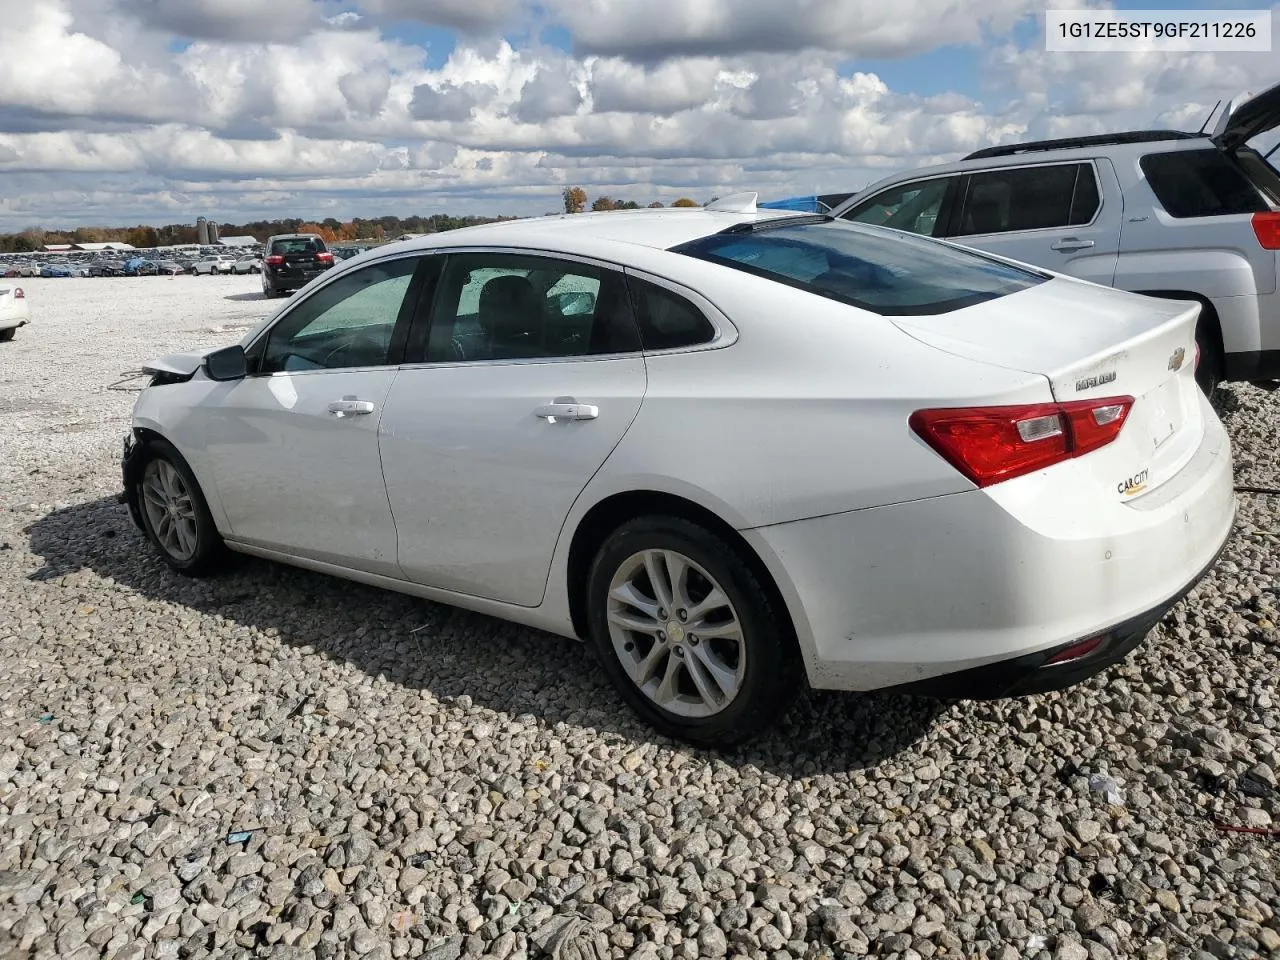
pixel 7 335
pixel 175 514
pixel 688 634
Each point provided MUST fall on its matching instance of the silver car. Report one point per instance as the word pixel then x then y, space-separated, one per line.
pixel 1187 216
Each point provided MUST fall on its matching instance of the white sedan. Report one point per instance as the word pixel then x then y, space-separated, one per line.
pixel 13 309
pixel 735 450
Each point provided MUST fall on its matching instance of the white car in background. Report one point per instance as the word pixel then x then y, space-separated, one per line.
pixel 247 265
pixel 13 309
pixel 734 450
pixel 212 265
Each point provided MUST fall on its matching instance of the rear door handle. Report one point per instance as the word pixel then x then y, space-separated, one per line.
pixel 567 410
pixel 1071 243
pixel 350 407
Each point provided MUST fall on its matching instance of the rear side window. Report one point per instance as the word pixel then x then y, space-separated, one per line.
pixel 1200 183
pixel 883 271
pixel 667 320
pixel 914 207
pixel 298 245
pixel 1029 198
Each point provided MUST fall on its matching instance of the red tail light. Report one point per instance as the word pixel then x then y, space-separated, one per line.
pixel 325 257
pixel 275 260
pixel 18 294
pixel 1266 226
pixel 1196 365
pixel 992 444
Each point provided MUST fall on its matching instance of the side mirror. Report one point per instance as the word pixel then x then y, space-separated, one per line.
pixel 229 363
pixel 576 303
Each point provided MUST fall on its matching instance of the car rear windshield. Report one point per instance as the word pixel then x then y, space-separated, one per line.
pixel 298 245
pixel 1201 183
pixel 884 271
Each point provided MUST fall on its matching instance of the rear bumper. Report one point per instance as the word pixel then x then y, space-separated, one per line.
pixel 996 580
pixel 1036 673
pixel 291 279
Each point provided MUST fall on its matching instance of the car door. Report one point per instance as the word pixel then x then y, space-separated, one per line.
pixel 529 374
pixel 1063 216
pixel 917 206
pixel 294 445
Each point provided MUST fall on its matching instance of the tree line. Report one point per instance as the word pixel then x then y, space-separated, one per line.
pixel 331 229
pixel 575 201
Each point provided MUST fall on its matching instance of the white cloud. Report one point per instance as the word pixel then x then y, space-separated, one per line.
pixel 327 110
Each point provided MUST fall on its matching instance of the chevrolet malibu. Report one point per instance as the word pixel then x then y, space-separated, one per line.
pixel 735 450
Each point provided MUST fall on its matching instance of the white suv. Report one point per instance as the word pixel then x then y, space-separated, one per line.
pixel 1187 216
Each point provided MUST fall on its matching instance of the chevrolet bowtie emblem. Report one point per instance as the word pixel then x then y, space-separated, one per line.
pixel 1175 361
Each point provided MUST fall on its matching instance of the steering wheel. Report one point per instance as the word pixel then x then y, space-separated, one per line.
pixel 355 345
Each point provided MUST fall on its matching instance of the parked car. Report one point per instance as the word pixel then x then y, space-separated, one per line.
pixel 292 260
pixel 247 265
pixel 731 448
pixel 170 268
pixel 55 270
pixel 212 265
pixel 14 312
pixel 1178 215
pixel 11 273
pixel 106 268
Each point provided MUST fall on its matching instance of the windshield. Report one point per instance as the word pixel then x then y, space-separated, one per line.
pixel 883 271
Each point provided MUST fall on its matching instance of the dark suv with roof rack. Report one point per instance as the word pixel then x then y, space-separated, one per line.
pixel 1186 216
pixel 292 260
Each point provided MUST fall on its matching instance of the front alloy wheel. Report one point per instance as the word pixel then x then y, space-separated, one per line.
pixel 175 514
pixel 171 514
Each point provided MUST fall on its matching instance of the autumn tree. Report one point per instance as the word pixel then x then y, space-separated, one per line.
pixel 684 202
pixel 575 199
pixel 604 203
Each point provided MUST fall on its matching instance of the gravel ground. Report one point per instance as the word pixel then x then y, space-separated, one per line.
pixel 418 781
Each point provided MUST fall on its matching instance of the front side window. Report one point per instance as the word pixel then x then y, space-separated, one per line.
pixel 883 271
pixel 347 323
pixel 499 306
pixel 914 207
pixel 1029 198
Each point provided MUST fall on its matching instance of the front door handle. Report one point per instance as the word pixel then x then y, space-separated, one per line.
pixel 567 410
pixel 350 407
pixel 1071 243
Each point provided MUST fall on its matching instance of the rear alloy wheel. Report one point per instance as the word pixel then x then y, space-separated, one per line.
pixel 175 514
pixel 688 634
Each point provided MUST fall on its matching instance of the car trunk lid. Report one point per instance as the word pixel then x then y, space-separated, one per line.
pixel 1239 123
pixel 1091 342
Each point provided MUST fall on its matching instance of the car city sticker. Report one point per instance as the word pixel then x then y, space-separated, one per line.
pixel 1134 484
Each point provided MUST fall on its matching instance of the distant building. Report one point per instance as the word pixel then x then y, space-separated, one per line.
pixel 202 231
pixel 57 247
pixel 99 247
pixel 238 241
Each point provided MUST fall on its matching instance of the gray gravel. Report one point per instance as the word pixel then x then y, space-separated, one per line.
pixel 418 781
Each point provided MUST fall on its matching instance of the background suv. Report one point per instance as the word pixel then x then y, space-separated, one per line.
pixel 1189 216
pixel 291 260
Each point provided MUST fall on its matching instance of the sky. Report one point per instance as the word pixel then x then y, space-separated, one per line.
pixel 116 112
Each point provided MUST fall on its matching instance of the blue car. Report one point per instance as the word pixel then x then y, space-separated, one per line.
pixel 49 270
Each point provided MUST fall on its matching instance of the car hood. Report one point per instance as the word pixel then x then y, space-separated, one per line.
pixel 177 364
pixel 1257 115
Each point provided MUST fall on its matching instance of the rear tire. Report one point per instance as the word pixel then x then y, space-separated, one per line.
pixel 714 690
pixel 175 514
pixel 7 335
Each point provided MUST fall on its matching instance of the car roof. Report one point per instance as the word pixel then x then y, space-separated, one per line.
pixel 597 232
